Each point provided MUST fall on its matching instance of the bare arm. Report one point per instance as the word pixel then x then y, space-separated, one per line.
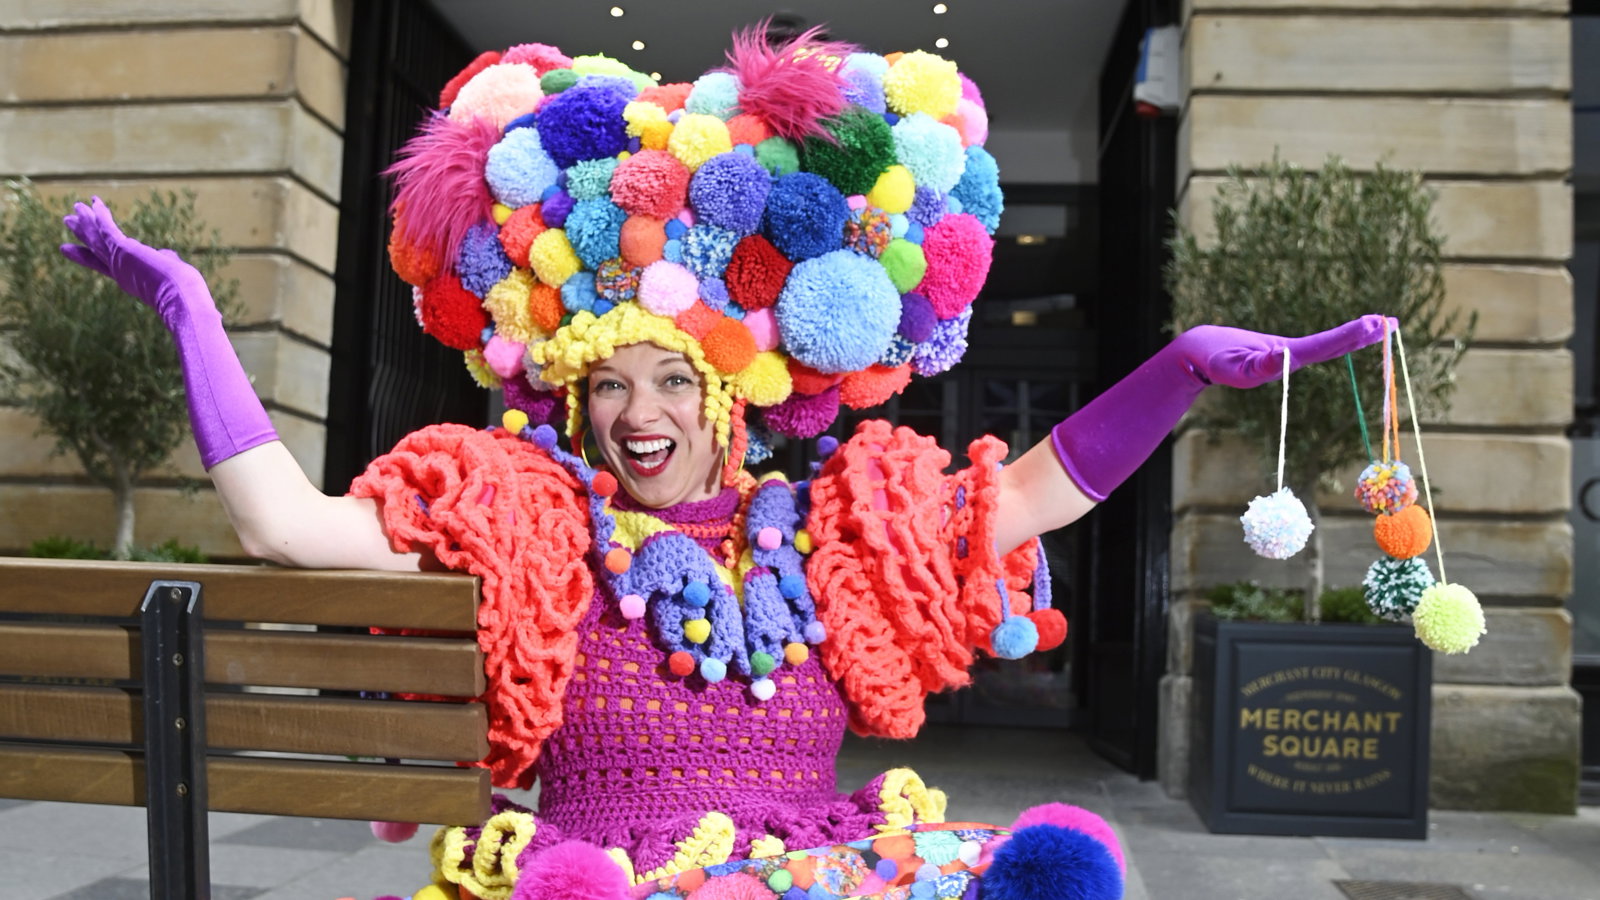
pixel 1036 496
pixel 280 516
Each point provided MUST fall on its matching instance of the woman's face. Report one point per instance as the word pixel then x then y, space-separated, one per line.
pixel 646 405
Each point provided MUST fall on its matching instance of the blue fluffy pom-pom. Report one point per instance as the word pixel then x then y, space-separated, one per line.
pixel 1048 862
pixel 792 586
pixel 594 227
pixel 822 330
pixel 1015 638
pixel 585 122
pixel 979 188
pixel 518 170
pixel 730 191
pixel 805 216
pixel 578 293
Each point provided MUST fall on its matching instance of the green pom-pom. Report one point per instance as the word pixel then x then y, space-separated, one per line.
pixel 1393 586
pixel 557 80
pixel 590 179
pixel 762 663
pixel 862 148
pixel 778 155
pixel 1448 619
pixel 905 264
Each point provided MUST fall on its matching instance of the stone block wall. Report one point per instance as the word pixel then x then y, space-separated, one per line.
pixel 1474 93
pixel 243 103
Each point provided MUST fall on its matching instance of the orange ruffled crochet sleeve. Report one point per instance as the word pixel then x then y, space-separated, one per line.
pixel 493 505
pixel 905 573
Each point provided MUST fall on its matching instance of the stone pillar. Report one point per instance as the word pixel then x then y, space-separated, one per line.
pixel 243 103
pixel 1474 93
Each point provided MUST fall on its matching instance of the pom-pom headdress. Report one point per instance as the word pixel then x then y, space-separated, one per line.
pixel 808 225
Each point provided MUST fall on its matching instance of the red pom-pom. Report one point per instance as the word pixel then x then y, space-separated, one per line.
pixel 643 240
pixel 681 664
pixel 667 96
pixel 650 183
pixel 1052 627
pixel 452 87
pixel 517 234
pixel 756 273
pixel 544 304
pixel 698 320
pixel 807 380
pixel 729 346
pixel 413 263
pixel 604 484
pixel 747 129
pixel 873 385
pixel 452 314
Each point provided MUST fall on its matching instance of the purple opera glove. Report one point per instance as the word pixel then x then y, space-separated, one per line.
pixel 224 413
pixel 1102 444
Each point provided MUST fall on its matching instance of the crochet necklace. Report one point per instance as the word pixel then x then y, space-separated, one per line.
pixel 713 620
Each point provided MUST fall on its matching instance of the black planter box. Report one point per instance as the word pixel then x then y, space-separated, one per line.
pixel 1310 729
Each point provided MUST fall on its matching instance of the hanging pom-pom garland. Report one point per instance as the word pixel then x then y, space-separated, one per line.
pixel 1393 587
pixel 1277 525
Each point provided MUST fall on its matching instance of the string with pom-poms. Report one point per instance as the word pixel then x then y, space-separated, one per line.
pixel 1277 525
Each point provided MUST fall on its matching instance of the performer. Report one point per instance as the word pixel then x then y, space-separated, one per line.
pixel 674 646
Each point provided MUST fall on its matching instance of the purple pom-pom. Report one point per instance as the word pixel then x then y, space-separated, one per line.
pixel 541 406
pixel 545 437
pixel 816 633
pixel 805 216
pixel 584 122
pixel 804 415
pixel 917 318
pixel 730 191
pixel 714 293
pixel 927 207
pixel 864 89
pixel 571 870
pixel 556 208
pixel 945 347
pixel 483 262
pixel 1048 862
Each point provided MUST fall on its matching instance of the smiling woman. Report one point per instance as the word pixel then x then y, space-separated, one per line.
pixel 648 416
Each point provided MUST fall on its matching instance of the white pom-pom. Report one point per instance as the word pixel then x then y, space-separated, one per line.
pixel 1276 526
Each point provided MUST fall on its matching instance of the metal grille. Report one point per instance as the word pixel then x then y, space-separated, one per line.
pixel 1400 890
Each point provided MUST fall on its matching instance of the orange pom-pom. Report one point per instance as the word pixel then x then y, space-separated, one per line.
pixel 643 240
pixel 413 263
pixel 729 346
pixel 544 304
pixel 1405 534
pixel 517 234
pixel 618 560
pixel 808 380
pixel 682 665
pixel 698 320
pixel 1052 626
pixel 873 385
pixel 747 129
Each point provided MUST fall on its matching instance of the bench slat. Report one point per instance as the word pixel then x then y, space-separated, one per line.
pixel 451 667
pixel 277 787
pixel 438 602
pixel 351 727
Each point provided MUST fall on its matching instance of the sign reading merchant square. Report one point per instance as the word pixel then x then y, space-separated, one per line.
pixel 1311 729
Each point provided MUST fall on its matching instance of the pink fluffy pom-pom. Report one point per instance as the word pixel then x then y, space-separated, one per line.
pixel 500 93
pixel 738 886
pixel 804 415
pixel 1076 818
pixel 393 832
pixel 572 870
pixel 542 57
pixel 504 357
pixel 667 288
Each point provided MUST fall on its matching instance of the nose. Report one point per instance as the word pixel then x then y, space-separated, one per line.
pixel 641 408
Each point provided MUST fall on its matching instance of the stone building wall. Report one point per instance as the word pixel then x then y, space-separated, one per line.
pixel 241 102
pixel 1474 93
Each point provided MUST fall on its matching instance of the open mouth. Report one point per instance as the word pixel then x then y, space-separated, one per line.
pixel 649 455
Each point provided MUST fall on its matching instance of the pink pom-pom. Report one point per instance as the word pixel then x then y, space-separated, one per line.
pixel 737 886
pixel 969 90
pixel 959 251
pixel 393 832
pixel 769 538
pixel 975 122
pixel 650 183
pixel 793 87
pixel 804 415
pixel 504 357
pixel 632 606
pixel 572 870
pixel 500 93
pixel 440 192
pixel 763 326
pixel 667 288
pixel 1078 819
pixel 542 57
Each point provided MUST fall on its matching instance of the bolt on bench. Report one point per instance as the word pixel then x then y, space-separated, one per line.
pixel 126 683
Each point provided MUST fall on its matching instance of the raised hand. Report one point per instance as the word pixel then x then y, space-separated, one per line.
pixel 1246 359
pixel 160 278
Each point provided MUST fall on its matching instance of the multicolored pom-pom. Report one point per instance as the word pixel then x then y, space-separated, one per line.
pixel 1386 487
pixel 1392 587
pixel 1449 619
pixel 1277 525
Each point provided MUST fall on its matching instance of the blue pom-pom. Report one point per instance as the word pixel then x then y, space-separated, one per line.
pixel 714 94
pixel 805 216
pixel 713 669
pixel 914 233
pixel 594 228
pixel 730 191
pixel 714 293
pixel 585 122
pixel 792 586
pixel 672 251
pixel 578 292
pixel 899 224
pixel 1014 638
pixel 707 250
pixel 745 150
pixel 591 179
pixel 838 312
pixel 891 118
pixel 826 445
pixel 1049 862
pixel 518 170
pixel 603 306
pixel 675 229
pixel 931 150
pixel 697 593
pixel 486 334
pixel 545 437
pixel 526 120
pixel 979 188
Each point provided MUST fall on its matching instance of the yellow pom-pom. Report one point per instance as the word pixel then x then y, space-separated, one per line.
pixel 697 631
pixel 479 369
pixel 698 137
pixel 501 213
pixel 431 892
pixel 1448 619
pixel 552 257
pixel 639 114
pixel 507 301
pixel 766 847
pixel 922 82
pixel 895 190
pixel 655 135
pixel 514 420
pixel 764 382
pixel 802 541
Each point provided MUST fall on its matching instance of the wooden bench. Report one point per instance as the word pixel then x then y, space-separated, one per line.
pixel 152 684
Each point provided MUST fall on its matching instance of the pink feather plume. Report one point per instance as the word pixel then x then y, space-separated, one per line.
pixel 440 191
pixel 792 87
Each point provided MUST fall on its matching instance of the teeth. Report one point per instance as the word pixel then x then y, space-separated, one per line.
pixel 643 447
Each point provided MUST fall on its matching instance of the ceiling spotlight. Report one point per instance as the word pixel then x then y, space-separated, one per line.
pixel 616 12
pixel 656 76
pixel 942 43
pixel 638 45
pixel 940 9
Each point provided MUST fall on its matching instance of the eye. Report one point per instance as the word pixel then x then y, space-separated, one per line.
pixel 605 386
pixel 679 381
